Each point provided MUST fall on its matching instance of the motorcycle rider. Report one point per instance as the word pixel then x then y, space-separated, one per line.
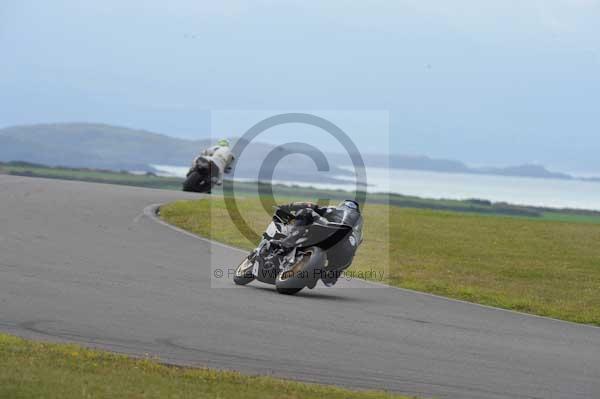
pixel 305 213
pixel 219 156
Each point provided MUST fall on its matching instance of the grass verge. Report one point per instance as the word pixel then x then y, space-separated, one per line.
pixel 91 175
pixel 549 268
pixel 41 370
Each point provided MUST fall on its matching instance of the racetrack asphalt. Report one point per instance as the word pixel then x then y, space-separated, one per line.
pixel 82 262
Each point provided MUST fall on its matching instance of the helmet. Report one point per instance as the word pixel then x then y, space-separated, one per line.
pixel 223 143
pixel 350 204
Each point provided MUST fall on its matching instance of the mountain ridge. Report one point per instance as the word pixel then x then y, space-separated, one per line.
pixel 101 145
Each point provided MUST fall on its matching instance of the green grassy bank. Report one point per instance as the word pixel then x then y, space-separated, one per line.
pixel 549 268
pixel 41 370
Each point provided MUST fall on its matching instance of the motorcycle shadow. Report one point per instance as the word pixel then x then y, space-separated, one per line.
pixel 333 294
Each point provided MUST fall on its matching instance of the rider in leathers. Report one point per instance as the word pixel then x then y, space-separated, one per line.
pixel 305 213
pixel 220 156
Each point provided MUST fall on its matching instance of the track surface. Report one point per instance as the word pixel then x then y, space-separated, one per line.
pixel 81 262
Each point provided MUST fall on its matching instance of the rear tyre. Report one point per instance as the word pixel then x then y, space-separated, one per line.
pixel 192 182
pixel 288 291
pixel 305 273
pixel 243 274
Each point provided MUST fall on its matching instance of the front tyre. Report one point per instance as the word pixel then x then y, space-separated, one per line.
pixel 304 273
pixel 243 274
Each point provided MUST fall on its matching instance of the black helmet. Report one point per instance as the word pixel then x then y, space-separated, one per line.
pixel 350 204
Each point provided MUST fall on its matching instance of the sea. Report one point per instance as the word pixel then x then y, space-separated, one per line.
pixel 554 193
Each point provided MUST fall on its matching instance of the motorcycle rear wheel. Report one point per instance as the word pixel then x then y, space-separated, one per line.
pixel 303 274
pixel 196 182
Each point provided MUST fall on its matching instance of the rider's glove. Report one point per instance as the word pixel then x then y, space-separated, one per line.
pixel 283 215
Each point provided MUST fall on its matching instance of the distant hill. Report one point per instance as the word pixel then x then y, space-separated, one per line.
pixel 527 170
pixel 89 145
pixel 426 163
pixel 94 146
pixel 449 166
pixel 410 162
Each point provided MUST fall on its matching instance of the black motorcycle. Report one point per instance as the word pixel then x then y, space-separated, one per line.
pixel 201 176
pixel 321 251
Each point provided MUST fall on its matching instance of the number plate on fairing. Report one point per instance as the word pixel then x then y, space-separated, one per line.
pixel 271 230
pixel 255 269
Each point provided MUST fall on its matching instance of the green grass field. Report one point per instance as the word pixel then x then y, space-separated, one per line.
pixel 41 370
pixel 91 175
pixel 549 268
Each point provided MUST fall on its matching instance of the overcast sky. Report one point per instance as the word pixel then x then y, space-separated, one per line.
pixel 494 82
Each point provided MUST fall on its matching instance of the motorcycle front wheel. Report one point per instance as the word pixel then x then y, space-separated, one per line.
pixel 304 273
pixel 243 274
